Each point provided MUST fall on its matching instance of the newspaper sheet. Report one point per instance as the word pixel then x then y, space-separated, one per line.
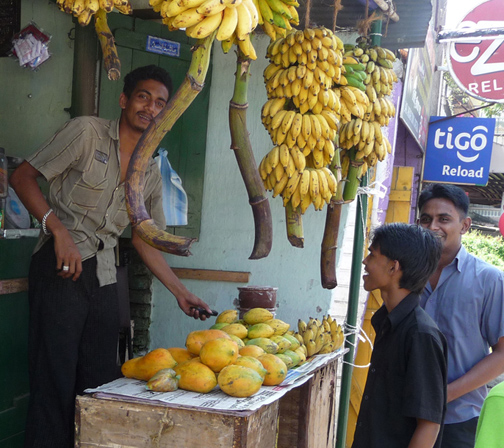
pixel 215 399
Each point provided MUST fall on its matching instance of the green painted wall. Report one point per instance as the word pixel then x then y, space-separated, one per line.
pixel 33 102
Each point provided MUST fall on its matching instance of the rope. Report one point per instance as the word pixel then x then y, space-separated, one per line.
pixel 307 15
pixel 362 336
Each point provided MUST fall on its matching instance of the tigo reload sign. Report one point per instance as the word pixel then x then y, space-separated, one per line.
pixel 459 150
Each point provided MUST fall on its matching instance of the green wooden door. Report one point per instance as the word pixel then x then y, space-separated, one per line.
pixel 186 141
pixel 14 262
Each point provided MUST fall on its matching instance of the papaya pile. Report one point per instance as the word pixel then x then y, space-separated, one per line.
pixel 239 355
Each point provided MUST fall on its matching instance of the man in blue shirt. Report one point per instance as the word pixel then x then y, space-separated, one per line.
pixel 465 297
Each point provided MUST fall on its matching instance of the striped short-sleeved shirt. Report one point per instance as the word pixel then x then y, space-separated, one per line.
pixel 81 162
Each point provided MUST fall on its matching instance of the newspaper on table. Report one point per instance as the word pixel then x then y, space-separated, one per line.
pixel 215 399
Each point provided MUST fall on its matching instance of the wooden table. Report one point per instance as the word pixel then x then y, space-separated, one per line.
pixel 304 417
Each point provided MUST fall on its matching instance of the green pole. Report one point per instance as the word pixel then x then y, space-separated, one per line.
pixel 353 294
pixel 351 319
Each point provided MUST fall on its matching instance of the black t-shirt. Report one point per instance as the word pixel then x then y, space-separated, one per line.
pixel 406 379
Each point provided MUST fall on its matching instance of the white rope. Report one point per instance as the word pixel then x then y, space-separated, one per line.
pixel 361 335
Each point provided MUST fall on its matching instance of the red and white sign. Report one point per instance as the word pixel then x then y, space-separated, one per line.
pixel 477 63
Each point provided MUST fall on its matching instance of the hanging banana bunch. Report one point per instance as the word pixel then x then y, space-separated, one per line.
pixel 367 80
pixel 276 17
pixel 234 20
pixel 302 116
pixel 84 11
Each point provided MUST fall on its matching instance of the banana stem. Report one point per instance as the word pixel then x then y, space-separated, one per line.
pixel 329 244
pixel 294 223
pixel 240 144
pixel 353 183
pixel 149 141
pixel 110 57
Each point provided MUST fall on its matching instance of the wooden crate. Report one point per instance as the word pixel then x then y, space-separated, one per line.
pixel 304 417
pixel 107 423
pixel 307 415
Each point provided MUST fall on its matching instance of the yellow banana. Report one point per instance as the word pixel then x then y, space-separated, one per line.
pixel 210 7
pixel 314 184
pixel 306 127
pixel 250 5
pixel 244 25
pixel 228 26
pixel 187 18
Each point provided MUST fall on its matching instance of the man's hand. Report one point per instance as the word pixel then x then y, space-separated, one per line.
pixel 190 303
pixel 68 257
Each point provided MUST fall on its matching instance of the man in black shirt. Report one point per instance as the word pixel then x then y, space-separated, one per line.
pixel 404 400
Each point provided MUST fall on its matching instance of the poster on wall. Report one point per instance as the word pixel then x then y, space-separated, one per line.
pixel 417 89
pixel 459 150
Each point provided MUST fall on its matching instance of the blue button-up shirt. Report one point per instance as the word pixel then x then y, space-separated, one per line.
pixel 468 307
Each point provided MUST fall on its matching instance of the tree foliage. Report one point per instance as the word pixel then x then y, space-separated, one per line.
pixel 488 248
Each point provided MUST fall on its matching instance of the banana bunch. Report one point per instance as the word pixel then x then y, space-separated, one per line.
pixel 367 138
pixel 302 116
pixel 379 81
pixel 354 103
pixel 276 16
pixel 234 20
pixel 85 9
pixel 320 337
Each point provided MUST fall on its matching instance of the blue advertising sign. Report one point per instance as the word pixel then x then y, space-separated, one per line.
pixel 459 150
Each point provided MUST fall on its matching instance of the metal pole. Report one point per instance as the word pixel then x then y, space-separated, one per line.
pixel 351 319
pixel 353 295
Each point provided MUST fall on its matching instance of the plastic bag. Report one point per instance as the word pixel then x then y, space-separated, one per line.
pixel 174 195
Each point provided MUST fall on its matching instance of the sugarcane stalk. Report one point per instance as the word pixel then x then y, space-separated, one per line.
pixel 240 144
pixel 149 141
pixel 329 244
pixel 111 60
pixel 294 223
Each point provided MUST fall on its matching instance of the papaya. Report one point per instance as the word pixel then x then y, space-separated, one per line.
pixel 227 316
pixel 288 361
pixel 219 353
pixel 275 367
pixel 260 330
pixel 279 326
pixel 145 367
pixel 257 316
pixel 236 329
pixel 195 376
pixel 219 326
pixel 266 344
pixel 238 341
pixel 294 342
pixel 180 354
pixel 166 380
pixel 239 381
pixel 252 350
pixel 196 339
pixel 251 363
pixel 282 342
pixel 296 359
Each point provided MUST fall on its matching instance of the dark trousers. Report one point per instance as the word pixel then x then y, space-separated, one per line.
pixel 73 334
pixel 460 435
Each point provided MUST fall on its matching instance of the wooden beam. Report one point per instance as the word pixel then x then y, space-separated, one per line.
pixel 21 284
pixel 212 275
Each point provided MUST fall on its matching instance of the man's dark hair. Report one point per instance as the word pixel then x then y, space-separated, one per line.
pixel 144 73
pixel 417 250
pixel 450 192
